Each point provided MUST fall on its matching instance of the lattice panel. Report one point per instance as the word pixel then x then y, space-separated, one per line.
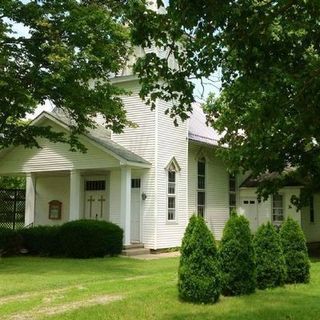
pixel 12 208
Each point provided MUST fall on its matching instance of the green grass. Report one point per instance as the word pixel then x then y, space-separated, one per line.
pixel 35 288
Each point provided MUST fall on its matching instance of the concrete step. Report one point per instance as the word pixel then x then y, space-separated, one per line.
pixel 133 246
pixel 135 252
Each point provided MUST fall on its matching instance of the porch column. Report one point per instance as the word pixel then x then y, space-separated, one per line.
pixel 30 199
pixel 75 195
pixel 126 203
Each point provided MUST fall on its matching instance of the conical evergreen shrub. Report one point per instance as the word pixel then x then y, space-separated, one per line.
pixel 271 267
pixel 199 274
pixel 295 252
pixel 237 257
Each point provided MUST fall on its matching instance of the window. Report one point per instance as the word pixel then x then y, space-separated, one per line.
pixel 311 209
pixel 277 209
pixel 97 185
pixel 135 183
pixel 201 199
pixel 171 195
pixel 232 193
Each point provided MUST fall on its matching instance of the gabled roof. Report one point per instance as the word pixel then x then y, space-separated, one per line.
pixel 198 130
pixel 99 135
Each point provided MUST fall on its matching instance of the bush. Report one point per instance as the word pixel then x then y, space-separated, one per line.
pixel 237 258
pixel 42 240
pixel 8 241
pixel 295 252
pixel 90 238
pixel 199 274
pixel 271 268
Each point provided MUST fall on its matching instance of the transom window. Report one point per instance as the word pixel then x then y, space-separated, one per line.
pixel 201 194
pixel 95 185
pixel 171 195
pixel 232 193
pixel 277 209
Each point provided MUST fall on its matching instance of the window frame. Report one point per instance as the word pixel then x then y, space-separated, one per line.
pixel 274 221
pixel 202 190
pixel 171 185
pixel 232 177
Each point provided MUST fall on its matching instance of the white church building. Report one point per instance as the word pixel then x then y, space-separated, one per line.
pixel 149 179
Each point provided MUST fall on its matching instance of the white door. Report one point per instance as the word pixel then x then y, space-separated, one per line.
pixel 250 208
pixel 96 200
pixel 135 211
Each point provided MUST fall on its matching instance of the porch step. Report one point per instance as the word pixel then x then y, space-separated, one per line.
pixel 134 250
pixel 133 246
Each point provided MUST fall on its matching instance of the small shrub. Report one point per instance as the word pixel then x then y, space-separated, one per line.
pixel 199 274
pixel 42 240
pixel 90 238
pixel 271 268
pixel 7 241
pixel 295 252
pixel 237 258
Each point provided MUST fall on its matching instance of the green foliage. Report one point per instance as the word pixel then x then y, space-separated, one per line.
pixel 8 241
pixel 62 47
pixel 42 240
pixel 268 109
pixel 7 182
pixel 271 266
pixel 199 274
pixel 90 238
pixel 237 258
pixel 295 252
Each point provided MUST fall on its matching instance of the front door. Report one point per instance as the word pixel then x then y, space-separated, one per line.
pixel 135 210
pixel 96 200
pixel 250 207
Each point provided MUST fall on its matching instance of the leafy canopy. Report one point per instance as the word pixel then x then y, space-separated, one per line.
pixel 269 56
pixel 66 54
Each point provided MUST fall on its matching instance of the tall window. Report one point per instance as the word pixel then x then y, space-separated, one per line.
pixel 232 193
pixel 171 195
pixel 311 209
pixel 277 209
pixel 201 199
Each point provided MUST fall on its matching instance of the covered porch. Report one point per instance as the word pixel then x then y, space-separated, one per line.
pixel 105 183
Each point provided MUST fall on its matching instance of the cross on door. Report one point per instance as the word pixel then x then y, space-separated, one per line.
pixel 90 200
pixel 101 200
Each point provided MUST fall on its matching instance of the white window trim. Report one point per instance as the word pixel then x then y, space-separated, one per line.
pixel 278 222
pixel 202 159
pixel 169 195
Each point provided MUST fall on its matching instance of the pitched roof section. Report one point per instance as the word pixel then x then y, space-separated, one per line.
pixel 198 129
pixel 101 136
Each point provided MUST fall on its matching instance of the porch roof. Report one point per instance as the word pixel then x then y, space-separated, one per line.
pixel 99 135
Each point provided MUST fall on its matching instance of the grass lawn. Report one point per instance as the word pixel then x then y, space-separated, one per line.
pixel 123 288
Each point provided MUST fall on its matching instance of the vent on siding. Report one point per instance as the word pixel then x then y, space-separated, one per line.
pixel 96 185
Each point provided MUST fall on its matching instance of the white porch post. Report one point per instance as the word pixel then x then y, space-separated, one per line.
pixel 126 203
pixel 30 199
pixel 75 195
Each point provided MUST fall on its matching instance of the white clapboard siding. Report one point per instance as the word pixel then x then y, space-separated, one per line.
pixel 171 142
pixel 265 207
pixel 311 229
pixel 55 157
pixel 217 187
pixel 141 140
pixel 50 188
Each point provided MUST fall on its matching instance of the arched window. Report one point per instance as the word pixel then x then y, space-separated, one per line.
pixel 201 194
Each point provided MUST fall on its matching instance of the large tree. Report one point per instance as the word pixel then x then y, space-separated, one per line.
pixel 62 46
pixel 268 52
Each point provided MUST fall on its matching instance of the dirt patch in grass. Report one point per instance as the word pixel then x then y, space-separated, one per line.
pixel 62 308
